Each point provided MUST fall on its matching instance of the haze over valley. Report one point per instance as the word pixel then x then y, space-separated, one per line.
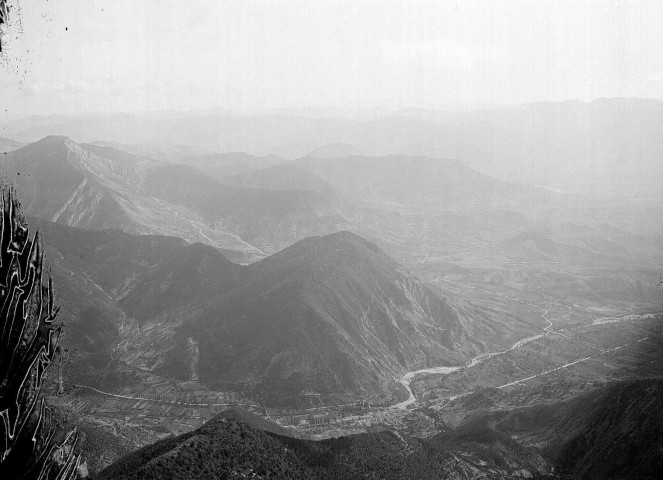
pixel 344 291
pixel 417 243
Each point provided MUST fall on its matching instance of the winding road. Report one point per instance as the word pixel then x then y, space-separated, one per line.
pixel 171 402
pixel 409 377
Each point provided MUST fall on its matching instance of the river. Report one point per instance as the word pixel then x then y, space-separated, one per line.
pixel 407 379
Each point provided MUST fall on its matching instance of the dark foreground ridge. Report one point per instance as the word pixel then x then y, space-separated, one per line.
pixel 615 432
pixel 237 444
pixel 610 432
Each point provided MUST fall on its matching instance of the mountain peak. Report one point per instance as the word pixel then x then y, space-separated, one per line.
pixel 325 252
pixel 46 145
pixel 346 238
pixel 51 140
pixel 328 314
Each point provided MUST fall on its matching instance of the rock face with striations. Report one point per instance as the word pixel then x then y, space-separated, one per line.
pixel 95 187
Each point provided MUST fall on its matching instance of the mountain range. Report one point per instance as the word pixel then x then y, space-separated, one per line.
pixel 605 146
pixel 258 205
pixel 327 315
pixel 167 271
pixel 330 315
pixel 100 187
pixel 432 185
pixel 220 165
pixel 261 217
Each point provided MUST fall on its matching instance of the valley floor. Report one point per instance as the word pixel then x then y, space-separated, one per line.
pixel 549 333
pixel 547 367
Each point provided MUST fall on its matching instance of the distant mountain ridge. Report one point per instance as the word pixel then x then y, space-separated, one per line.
pixel 100 187
pixel 608 146
pixel 432 185
pixel 260 216
pixel 285 176
pixel 220 165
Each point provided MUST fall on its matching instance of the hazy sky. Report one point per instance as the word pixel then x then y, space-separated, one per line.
pixel 130 55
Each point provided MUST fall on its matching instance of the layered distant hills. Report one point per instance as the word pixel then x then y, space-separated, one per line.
pixel 100 187
pixel 278 277
pixel 606 146
pixel 223 164
pixel 260 216
pixel 329 314
pixel 249 206
pixel 420 184
pixel 285 176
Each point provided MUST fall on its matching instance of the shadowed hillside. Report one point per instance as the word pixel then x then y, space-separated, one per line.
pixel 329 314
pixel 236 445
pixel 614 432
